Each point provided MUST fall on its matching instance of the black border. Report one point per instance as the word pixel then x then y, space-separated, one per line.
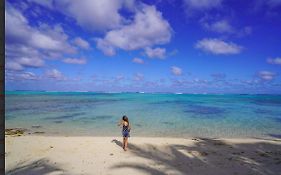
pixel 2 87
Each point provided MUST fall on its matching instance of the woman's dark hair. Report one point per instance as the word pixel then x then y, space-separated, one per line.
pixel 125 118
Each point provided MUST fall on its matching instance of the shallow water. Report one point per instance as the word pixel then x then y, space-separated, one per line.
pixel 167 115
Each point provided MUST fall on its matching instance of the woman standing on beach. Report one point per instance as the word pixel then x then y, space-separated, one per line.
pixel 125 131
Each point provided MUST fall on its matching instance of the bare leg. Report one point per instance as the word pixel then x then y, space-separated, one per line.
pixel 126 143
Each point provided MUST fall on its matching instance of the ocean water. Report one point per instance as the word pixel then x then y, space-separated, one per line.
pixel 151 115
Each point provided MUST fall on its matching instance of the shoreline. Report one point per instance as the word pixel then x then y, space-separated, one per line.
pixel 39 154
pixel 41 132
pixel 149 137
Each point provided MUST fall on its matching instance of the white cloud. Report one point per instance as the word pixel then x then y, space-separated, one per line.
pixel 30 62
pixel 18 76
pixel 118 78
pixel 193 7
pixel 202 4
pixel 266 75
pixel 20 57
pixel 147 29
pixel 105 47
pixel 81 43
pixel 217 46
pixel 28 76
pixel 45 37
pixel 45 3
pixel 251 82
pixel 54 74
pixel 42 41
pixel 138 77
pixel 94 15
pixel 28 46
pixel 16 27
pixel 221 26
pixel 138 60
pixel 155 53
pixel 13 66
pixel 18 50
pixel 274 61
pixel 176 70
pixel 75 60
pixel 200 81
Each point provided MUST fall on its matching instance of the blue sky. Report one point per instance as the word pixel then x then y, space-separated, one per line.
pixel 190 46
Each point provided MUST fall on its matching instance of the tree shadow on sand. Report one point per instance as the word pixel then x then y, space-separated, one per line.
pixel 42 166
pixel 207 156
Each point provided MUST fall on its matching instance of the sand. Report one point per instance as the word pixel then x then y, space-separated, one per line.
pixel 34 154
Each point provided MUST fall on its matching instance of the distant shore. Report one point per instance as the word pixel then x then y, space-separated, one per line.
pixel 34 154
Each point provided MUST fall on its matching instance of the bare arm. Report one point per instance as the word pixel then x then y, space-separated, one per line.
pixel 120 122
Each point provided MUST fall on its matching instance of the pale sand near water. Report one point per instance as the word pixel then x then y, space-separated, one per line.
pixel 104 155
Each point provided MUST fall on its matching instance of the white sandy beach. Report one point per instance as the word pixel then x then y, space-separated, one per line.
pixel 34 154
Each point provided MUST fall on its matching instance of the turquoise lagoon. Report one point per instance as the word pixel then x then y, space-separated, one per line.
pixel 150 114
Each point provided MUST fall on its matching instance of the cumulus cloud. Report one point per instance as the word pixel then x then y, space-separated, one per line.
pixel 20 57
pixel 202 4
pixel 152 84
pixel 75 60
pixel 147 29
pixel 217 46
pixel 30 62
pixel 105 47
pixel 274 61
pixel 45 3
pixel 119 78
pixel 81 43
pixel 138 77
pixel 194 6
pixel 266 75
pixel 19 76
pixel 93 15
pixel 176 70
pixel 252 82
pixel 13 66
pixel 178 82
pixel 200 81
pixel 27 46
pixel 221 26
pixel 54 74
pixel 138 60
pixel 155 53
pixel 28 76
pixel 19 31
